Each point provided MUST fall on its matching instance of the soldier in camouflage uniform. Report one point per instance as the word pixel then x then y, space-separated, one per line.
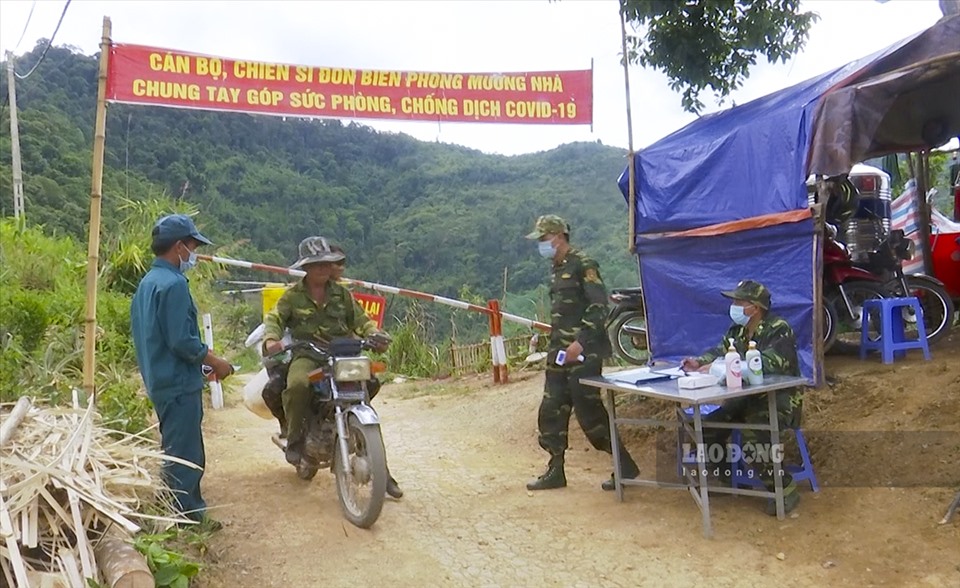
pixel 316 308
pixel 577 320
pixel 273 391
pixel 753 321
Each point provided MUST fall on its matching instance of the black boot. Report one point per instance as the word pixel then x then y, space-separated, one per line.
pixel 552 478
pixel 393 488
pixel 629 468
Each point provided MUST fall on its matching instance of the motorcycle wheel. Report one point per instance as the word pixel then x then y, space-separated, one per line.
pixel 830 321
pixel 629 338
pixel 361 491
pixel 936 303
pixel 849 325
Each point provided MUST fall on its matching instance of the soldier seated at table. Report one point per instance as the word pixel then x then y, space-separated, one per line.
pixel 753 321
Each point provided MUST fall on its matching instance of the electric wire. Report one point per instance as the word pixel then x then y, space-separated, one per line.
pixel 49 44
pixel 24 33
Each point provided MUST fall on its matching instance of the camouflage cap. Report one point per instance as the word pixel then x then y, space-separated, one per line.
pixel 752 292
pixel 549 224
pixel 317 250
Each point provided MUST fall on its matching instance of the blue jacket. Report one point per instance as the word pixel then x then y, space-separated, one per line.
pixel 166 335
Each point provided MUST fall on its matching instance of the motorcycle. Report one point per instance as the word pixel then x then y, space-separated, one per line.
pixel 343 430
pixel 627 326
pixel 886 264
pixel 845 288
pixel 847 285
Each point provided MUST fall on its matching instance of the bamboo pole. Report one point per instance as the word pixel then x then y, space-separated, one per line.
pixel 93 243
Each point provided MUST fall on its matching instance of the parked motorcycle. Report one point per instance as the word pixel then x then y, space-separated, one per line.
pixel 845 288
pixel 343 431
pixel 627 327
pixel 886 264
pixel 847 285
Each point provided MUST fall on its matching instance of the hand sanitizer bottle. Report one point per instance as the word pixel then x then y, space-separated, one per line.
pixel 754 365
pixel 732 362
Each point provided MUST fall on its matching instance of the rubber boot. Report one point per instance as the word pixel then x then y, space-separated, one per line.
pixel 552 478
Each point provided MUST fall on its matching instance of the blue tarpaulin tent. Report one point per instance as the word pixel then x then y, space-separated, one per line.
pixel 725 198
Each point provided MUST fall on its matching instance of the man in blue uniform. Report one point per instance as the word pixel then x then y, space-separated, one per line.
pixel 171 355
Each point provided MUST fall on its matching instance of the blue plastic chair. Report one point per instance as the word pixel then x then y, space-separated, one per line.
pixel 743 476
pixel 892 341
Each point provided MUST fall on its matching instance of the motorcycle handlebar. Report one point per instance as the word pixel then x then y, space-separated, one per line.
pixel 320 347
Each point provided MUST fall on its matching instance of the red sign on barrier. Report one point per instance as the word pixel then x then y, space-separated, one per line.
pixel 373 305
pixel 164 77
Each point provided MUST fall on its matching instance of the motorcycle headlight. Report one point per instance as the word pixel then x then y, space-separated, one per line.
pixel 351 369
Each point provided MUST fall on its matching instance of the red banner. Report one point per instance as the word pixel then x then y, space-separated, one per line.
pixel 373 305
pixel 163 77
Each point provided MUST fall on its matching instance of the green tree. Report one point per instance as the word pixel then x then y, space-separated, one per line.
pixel 713 43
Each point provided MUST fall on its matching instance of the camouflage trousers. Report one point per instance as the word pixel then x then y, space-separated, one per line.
pixel 754 410
pixel 563 393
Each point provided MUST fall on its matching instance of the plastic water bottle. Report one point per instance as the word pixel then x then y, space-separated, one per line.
pixel 733 368
pixel 754 365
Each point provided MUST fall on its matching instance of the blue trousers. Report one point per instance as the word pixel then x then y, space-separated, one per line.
pixel 181 437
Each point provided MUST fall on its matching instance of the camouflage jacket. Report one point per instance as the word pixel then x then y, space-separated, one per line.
pixel 339 316
pixel 578 305
pixel 775 342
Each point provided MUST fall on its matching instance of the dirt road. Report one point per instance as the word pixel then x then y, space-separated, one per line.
pixel 463 450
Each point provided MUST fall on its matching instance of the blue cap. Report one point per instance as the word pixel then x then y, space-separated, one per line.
pixel 176 227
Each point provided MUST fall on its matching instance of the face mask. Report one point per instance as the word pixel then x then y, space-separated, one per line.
pixel 546 249
pixel 737 315
pixel 188 263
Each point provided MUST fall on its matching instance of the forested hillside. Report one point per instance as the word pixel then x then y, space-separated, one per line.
pixel 420 215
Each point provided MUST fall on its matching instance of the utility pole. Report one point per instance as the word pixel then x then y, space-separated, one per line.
pixel 18 212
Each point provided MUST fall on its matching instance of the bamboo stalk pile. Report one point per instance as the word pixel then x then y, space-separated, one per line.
pixel 67 487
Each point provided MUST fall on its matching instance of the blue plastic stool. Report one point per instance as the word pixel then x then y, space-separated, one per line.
pixel 892 341
pixel 804 472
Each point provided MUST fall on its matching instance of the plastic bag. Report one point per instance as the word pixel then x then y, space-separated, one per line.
pixel 253 395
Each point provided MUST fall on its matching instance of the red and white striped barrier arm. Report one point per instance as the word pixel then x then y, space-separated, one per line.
pixel 381 288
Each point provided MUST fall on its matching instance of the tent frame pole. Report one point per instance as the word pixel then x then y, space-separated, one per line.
pixel 631 171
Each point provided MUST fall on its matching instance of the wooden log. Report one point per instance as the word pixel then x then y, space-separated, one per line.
pixel 122 566
pixel 11 422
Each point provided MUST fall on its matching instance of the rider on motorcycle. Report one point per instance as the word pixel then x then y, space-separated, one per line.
pixel 277 372
pixel 316 309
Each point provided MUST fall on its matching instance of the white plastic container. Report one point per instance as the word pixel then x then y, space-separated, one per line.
pixel 754 361
pixel 733 366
